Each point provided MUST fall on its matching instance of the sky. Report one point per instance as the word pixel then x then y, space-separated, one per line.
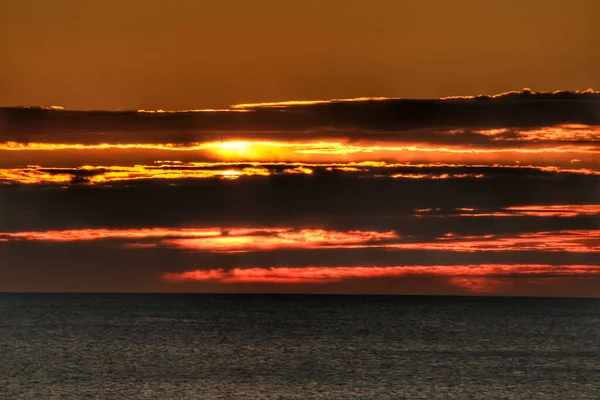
pixel 186 54
pixel 319 147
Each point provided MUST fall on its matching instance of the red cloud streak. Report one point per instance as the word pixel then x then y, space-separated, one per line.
pixel 584 241
pixel 562 211
pixel 214 239
pixel 475 278
pixel 265 239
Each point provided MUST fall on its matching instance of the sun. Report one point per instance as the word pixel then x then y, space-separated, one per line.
pixel 241 147
pixel 245 150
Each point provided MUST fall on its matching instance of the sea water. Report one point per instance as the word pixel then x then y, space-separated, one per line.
pixel 200 346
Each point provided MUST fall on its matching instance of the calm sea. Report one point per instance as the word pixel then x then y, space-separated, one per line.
pixel 111 346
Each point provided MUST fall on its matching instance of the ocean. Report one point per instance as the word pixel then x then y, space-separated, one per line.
pixel 205 346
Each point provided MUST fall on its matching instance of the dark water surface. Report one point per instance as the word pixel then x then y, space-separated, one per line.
pixel 148 346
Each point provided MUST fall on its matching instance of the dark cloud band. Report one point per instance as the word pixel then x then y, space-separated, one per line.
pixel 513 110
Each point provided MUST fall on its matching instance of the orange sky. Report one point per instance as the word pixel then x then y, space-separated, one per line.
pixel 187 54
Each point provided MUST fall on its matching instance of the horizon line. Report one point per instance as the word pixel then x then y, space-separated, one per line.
pixel 437 295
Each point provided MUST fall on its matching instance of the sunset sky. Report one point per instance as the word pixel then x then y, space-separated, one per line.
pixel 313 147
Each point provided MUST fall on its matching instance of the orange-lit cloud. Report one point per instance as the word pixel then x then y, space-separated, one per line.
pixel 465 275
pixel 304 238
pixel 203 110
pixel 295 103
pixel 556 210
pixel 558 133
pixel 525 93
pixel 273 150
pixel 216 239
pixel 437 176
pixel 555 156
pixel 99 234
pixel 108 174
pixel 265 239
pixel 584 241
pixel 561 210
pixel 35 174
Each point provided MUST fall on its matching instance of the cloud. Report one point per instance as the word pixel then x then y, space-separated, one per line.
pixel 541 210
pixel 497 129
pixel 529 128
pixel 107 265
pixel 216 239
pixel 517 109
pixel 479 279
pixel 102 234
pixel 173 171
pixel 334 274
pixel 285 145
pixel 585 241
pixel 334 199
pixel 235 239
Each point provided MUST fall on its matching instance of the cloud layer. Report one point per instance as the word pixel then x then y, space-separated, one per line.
pixel 471 195
pixel 514 109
